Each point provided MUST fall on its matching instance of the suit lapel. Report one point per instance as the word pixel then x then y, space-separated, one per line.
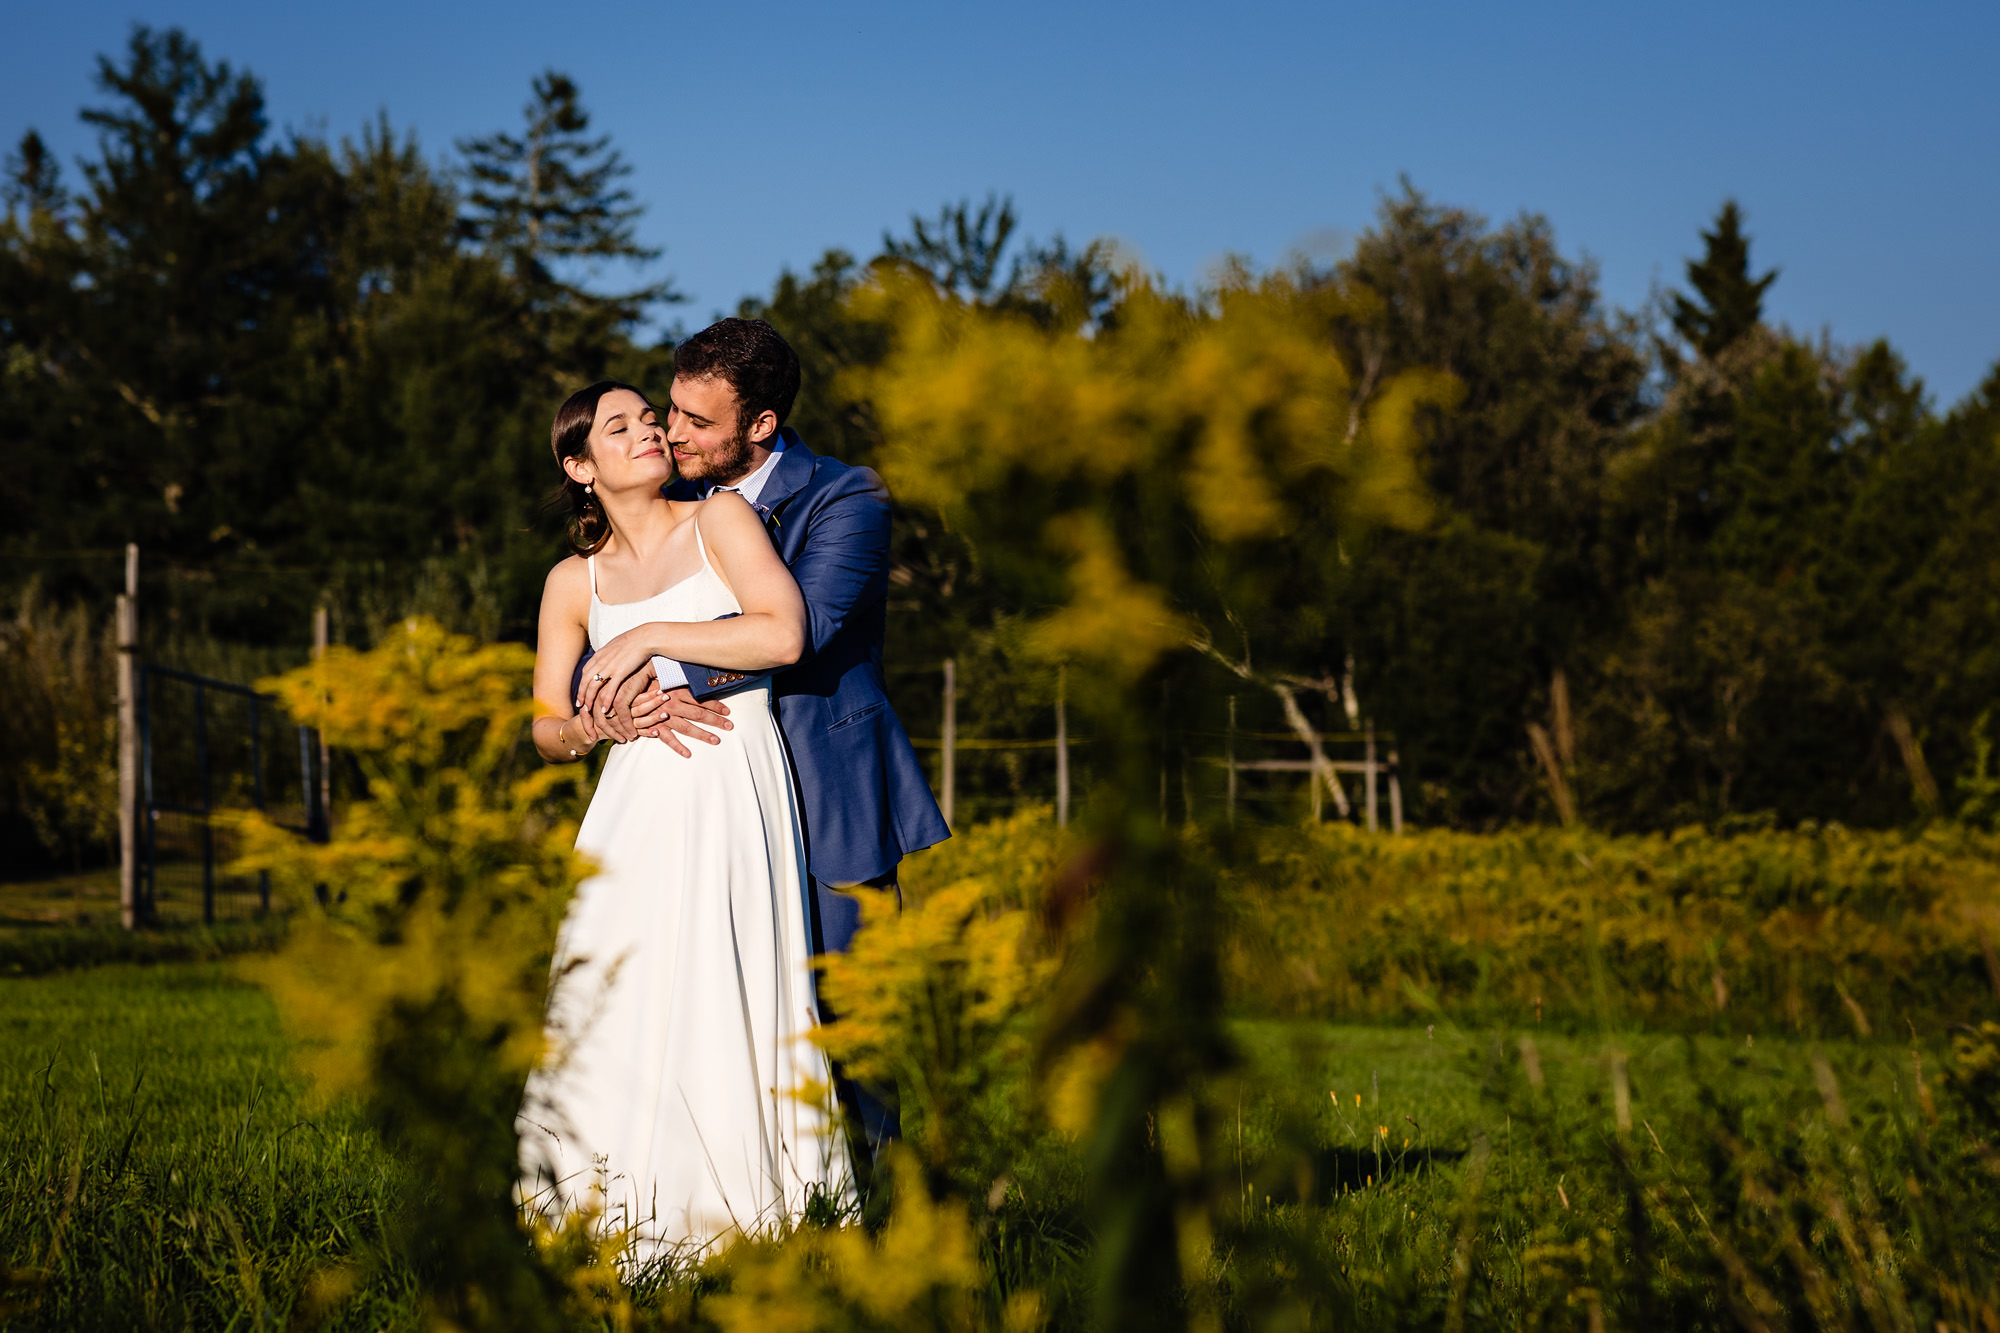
pixel 794 470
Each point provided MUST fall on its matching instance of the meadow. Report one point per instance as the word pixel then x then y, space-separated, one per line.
pixel 1462 1162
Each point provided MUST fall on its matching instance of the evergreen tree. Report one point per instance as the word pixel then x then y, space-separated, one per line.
pixel 550 196
pixel 1456 630
pixel 961 248
pixel 33 179
pixel 163 301
pixel 1729 302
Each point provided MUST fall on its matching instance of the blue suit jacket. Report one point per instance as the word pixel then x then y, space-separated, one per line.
pixel 863 795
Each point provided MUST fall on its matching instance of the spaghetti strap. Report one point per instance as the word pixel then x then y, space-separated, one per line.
pixel 700 545
pixel 590 562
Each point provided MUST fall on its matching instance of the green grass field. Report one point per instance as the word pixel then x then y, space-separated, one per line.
pixel 90 899
pixel 161 1167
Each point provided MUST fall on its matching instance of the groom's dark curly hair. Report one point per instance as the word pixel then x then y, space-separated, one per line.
pixel 748 356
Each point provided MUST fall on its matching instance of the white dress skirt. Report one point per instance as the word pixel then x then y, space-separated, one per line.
pixel 681 1098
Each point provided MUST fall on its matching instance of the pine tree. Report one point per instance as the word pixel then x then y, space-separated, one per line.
pixel 33 179
pixel 551 194
pixel 960 249
pixel 1730 302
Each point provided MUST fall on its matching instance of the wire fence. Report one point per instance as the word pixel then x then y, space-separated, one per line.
pixel 209 748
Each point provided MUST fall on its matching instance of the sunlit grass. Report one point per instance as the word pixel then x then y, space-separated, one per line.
pixel 159 1167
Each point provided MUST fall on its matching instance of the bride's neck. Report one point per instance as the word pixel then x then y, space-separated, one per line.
pixel 639 523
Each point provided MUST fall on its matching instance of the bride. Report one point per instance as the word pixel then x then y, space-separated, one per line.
pixel 681 1097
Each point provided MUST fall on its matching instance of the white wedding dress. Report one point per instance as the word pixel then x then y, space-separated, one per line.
pixel 681 1097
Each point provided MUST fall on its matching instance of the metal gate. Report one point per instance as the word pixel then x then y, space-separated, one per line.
pixel 207 746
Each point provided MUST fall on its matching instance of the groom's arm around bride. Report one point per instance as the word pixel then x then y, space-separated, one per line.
pixel 864 798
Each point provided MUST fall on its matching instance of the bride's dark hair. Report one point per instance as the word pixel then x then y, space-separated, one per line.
pixel 569 437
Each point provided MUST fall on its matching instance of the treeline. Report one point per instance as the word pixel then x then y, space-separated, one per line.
pixel 1678 565
pixel 291 369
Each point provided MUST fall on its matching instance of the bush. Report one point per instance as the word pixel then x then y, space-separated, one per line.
pixel 1694 930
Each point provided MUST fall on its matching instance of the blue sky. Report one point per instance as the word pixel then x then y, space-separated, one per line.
pixel 1864 141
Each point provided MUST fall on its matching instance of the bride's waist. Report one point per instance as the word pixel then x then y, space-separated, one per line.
pixel 751 697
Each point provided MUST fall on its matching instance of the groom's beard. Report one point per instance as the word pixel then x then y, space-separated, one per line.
pixel 725 465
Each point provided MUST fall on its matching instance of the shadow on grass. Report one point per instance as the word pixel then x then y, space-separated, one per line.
pixel 47 948
pixel 1326 1173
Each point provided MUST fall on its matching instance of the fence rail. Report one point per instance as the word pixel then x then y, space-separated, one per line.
pixel 1380 773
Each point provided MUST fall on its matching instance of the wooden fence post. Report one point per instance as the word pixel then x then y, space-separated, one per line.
pixel 1229 759
pixel 128 742
pixel 325 756
pixel 1062 747
pixel 1368 771
pixel 1395 791
pixel 950 740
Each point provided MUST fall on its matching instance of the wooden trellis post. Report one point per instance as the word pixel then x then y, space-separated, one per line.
pixel 1229 758
pixel 1395 791
pixel 949 736
pixel 325 756
pixel 1368 770
pixel 128 742
pixel 1062 748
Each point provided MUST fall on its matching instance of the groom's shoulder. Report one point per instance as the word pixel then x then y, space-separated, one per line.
pixel 833 479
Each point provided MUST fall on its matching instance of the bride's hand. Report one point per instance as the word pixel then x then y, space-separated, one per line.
pixel 611 666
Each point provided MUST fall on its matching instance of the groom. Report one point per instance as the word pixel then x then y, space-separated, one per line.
pixel 863 797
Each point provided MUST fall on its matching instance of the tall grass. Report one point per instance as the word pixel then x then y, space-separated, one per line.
pixel 1691 1082
pixel 161 1170
pixel 58 744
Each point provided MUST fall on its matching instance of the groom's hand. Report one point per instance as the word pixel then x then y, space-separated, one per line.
pixel 616 709
pixel 677 710
pixel 583 733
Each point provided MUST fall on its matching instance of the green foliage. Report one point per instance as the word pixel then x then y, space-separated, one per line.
pixel 1520 1174
pixel 162 1170
pixel 34 179
pixel 550 196
pixel 938 998
pixel 1979 789
pixel 1728 302
pixel 981 403
pixel 922 1272
pixel 961 250
pixel 303 382
pixel 1755 931
pixel 416 976
pixel 61 751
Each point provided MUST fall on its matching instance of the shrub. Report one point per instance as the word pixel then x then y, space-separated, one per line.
pixel 418 960
pixel 1818 924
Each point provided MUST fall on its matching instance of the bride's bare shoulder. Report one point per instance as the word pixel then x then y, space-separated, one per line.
pixel 728 512
pixel 569 581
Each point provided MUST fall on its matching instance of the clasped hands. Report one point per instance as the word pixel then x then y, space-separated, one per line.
pixel 623 705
